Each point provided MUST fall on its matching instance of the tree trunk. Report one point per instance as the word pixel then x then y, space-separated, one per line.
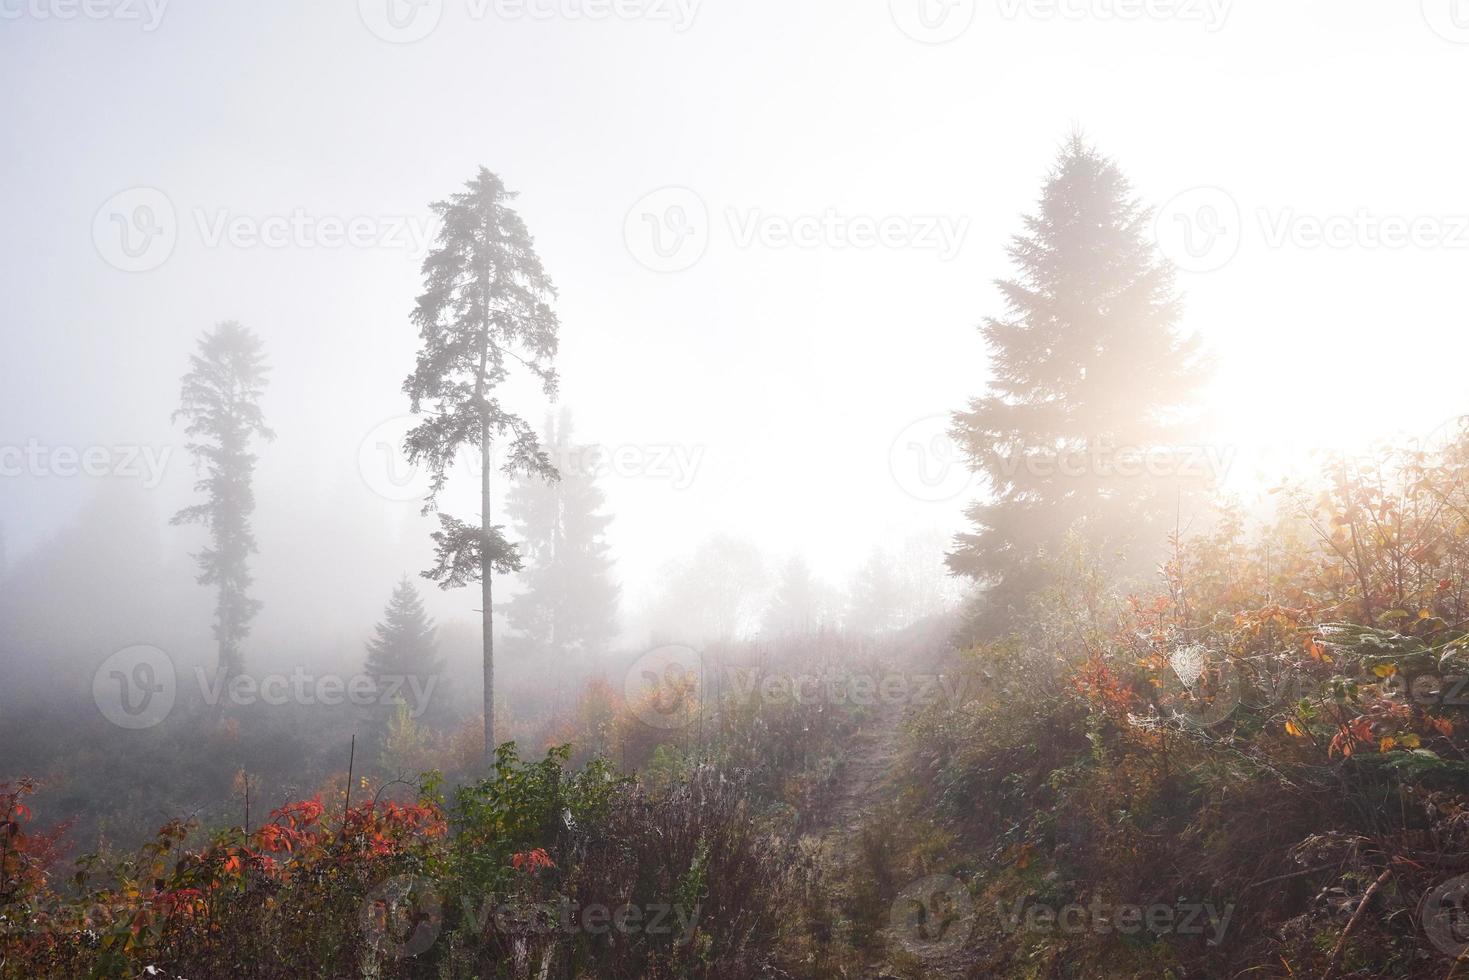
pixel 486 581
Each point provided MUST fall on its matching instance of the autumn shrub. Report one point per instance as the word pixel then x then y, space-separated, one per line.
pixel 513 876
pixel 1273 727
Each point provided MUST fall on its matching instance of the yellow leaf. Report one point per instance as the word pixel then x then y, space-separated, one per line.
pixel 1385 670
pixel 1293 729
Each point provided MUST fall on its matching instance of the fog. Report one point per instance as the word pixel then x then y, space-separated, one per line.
pixel 774 231
pixel 786 373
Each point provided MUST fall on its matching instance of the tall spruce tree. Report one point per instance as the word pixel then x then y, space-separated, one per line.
pixel 1088 374
pixel 568 608
pixel 485 311
pixel 875 595
pixel 221 403
pixel 798 602
pixel 404 650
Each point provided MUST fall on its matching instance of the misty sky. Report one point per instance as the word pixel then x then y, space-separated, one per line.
pixel 784 371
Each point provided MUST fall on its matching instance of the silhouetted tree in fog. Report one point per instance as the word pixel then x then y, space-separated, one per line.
pixel 1088 375
pixel 569 606
pixel 484 311
pixel 711 596
pixel 404 647
pixel 221 403
pixel 876 595
pixel 798 602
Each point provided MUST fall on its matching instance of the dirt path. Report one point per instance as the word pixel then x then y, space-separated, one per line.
pixel 870 762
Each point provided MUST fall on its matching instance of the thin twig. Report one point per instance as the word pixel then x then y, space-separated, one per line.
pixel 1341 943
